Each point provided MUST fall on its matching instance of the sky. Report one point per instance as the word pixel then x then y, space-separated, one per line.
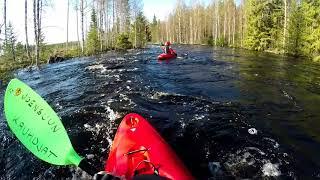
pixel 160 8
pixel 54 18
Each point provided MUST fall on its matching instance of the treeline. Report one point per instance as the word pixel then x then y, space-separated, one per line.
pixel 115 24
pixel 112 24
pixel 282 26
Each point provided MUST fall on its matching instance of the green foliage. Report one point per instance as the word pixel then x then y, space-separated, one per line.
pixel 20 52
pixel 209 41
pixel 139 34
pixel 295 30
pixel 9 46
pixel 148 32
pixel 265 27
pixel 311 28
pixel 221 42
pixel 93 42
pixel 154 27
pixel 122 42
pixel 260 25
pixel 316 59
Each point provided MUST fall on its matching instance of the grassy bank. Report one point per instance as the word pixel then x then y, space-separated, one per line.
pixel 7 64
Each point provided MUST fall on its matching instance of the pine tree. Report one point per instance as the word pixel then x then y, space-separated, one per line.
pixel 263 25
pixel 255 27
pixel 311 28
pixel 140 31
pixel 294 30
pixel 93 43
pixel 10 44
pixel 122 42
pixel 277 33
pixel 154 30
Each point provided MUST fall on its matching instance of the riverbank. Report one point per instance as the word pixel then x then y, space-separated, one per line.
pixel 7 64
pixel 57 53
pixel 49 54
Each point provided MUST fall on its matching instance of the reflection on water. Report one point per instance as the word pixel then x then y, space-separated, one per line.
pixel 203 103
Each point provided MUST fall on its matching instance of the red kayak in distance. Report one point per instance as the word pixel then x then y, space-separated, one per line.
pixel 165 56
pixel 138 149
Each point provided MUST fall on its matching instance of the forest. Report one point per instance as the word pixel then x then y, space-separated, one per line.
pixel 288 27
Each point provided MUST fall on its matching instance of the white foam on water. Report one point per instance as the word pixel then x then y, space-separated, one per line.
pixel 109 139
pixel 124 97
pixel 58 106
pixel 97 67
pixel 94 67
pixel 214 167
pixel 89 156
pixel 121 58
pixel 132 70
pixel 110 101
pixel 94 129
pixel 287 95
pixel 183 124
pixel 207 150
pixel 103 70
pixel 79 174
pixel 198 117
pixel 270 169
pixel 275 143
pixel 87 126
pixel 256 149
pixel 158 95
pixel 111 114
pixel 252 131
pixel 241 158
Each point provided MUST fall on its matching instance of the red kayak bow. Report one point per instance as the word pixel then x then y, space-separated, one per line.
pixel 165 56
pixel 138 149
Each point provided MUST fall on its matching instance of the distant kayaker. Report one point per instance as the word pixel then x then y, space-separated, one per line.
pixel 167 49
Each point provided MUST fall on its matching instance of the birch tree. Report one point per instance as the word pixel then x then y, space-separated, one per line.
pixel 35 24
pixel 82 25
pixel 26 30
pixel 285 25
pixel 67 42
pixel 5 20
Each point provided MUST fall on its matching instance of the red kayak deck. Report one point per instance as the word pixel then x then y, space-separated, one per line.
pixel 165 56
pixel 139 149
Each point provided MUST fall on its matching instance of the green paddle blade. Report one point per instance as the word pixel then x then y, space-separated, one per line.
pixel 37 126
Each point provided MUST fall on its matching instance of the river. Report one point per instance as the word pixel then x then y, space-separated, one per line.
pixel 204 103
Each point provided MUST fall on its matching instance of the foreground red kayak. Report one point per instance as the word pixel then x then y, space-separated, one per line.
pixel 165 56
pixel 138 149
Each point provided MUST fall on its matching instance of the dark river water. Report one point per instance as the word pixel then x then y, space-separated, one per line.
pixel 203 103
